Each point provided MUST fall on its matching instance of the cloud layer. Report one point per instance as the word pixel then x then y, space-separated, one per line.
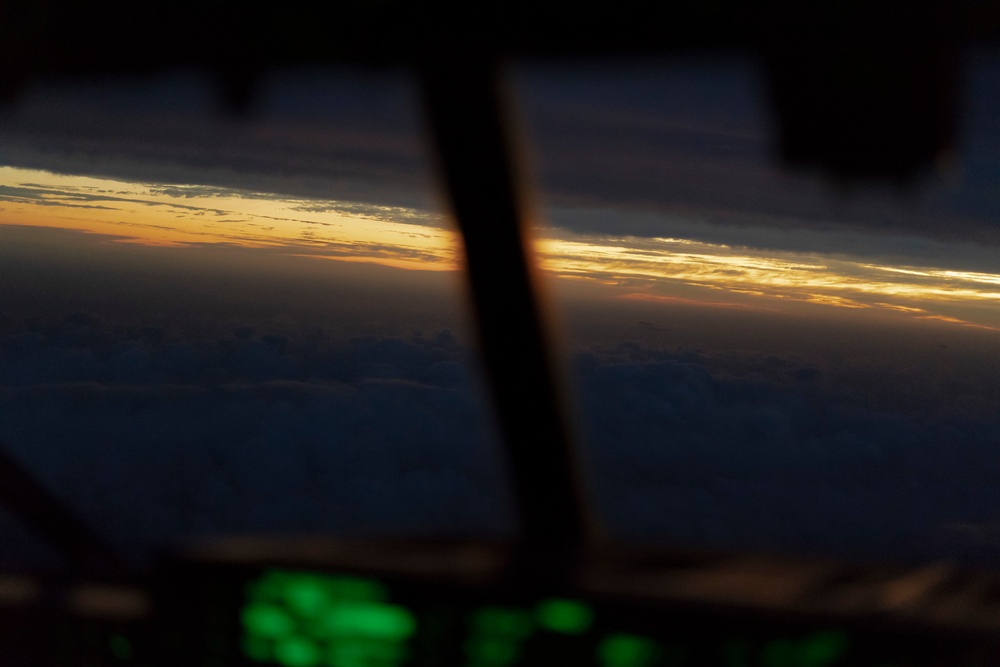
pixel 685 148
pixel 157 439
pixel 333 135
pixel 154 439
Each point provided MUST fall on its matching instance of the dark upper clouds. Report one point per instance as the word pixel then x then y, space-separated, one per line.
pixel 758 232
pixel 690 142
pixel 43 196
pixel 668 149
pixel 73 197
pixel 334 135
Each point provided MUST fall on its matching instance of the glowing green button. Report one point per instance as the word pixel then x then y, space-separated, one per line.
pixel 267 620
pixel 385 621
pixel 566 616
pixel 297 652
pixel 307 596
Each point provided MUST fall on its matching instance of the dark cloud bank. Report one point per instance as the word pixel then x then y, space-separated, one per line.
pixel 682 145
pixel 771 453
pixel 344 135
pixel 690 145
pixel 155 438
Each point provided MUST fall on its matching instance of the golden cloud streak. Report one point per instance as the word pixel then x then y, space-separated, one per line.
pixel 180 215
pixel 152 214
pixel 801 277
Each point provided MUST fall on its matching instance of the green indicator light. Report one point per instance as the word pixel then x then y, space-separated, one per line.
pixel 257 648
pixel 621 650
pixel 567 616
pixel 267 620
pixel 822 649
pixel 302 619
pixel 383 621
pixel 120 647
pixel 307 596
pixel 506 622
pixel 297 652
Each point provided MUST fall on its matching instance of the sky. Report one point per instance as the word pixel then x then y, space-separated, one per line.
pixel 664 268
pixel 650 181
pixel 758 358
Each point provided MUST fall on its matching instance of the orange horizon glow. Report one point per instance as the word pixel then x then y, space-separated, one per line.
pixel 664 270
pixel 682 301
pixel 808 278
pixel 154 215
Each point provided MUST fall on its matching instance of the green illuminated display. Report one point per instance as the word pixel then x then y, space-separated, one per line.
pixel 296 651
pixel 566 616
pixel 497 634
pixel 310 620
pixel 299 619
pixel 268 620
